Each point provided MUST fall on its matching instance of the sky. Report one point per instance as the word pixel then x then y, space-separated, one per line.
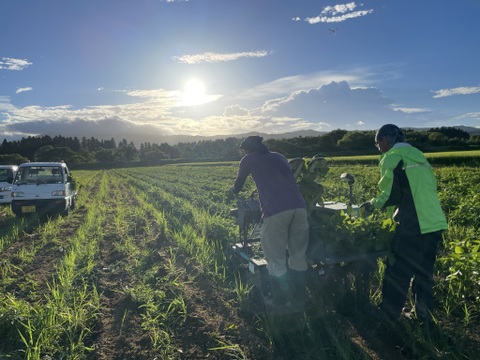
pixel 226 67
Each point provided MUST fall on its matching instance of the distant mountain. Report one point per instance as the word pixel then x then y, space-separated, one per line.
pixel 139 138
pixel 470 129
pixel 287 135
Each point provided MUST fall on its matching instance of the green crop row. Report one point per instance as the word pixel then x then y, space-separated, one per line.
pixel 450 158
pixel 111 244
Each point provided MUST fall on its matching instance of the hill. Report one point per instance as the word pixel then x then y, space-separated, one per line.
pixel 139 138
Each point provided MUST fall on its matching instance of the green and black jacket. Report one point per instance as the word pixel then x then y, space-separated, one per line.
pixel 407 181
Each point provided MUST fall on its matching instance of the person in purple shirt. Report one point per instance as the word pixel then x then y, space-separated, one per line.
pixel 285 223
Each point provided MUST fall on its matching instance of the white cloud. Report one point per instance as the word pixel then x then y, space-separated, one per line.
pixel 290 103
pixel 339 9
pixel 456 91
pixel 471 115
pixel 235 110
pixel 287 85
pixel 153 94
pixel 330 14
pixel 13 64
pixel 219 57
pixel 170 99
pixel 410 110
pixel 20 90
pixel 319 101
pixel 334 102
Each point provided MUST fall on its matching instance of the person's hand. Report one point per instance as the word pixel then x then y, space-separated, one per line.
pixel 367 208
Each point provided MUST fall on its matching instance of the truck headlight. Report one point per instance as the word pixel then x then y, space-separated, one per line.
pixel 58 193
pixel 17 194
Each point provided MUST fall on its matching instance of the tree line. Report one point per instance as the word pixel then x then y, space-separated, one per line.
pixel 337 142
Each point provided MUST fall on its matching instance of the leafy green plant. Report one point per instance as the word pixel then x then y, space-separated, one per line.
pixel 343 235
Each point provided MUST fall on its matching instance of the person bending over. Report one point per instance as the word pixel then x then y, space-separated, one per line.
pixel 285 224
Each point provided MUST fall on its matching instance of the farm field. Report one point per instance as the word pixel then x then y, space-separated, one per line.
pixel 468 158
pixel 141 270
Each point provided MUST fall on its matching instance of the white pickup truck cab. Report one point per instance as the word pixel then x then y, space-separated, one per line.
pixel 7 173
pixel 43 188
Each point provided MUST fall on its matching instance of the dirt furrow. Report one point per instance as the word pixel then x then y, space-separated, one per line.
pixel 33 275
pixel 118 333
pixel 213 322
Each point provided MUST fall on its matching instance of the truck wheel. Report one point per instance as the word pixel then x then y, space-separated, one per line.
pixel 67 211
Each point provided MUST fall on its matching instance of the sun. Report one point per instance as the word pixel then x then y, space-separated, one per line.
pixel 194 93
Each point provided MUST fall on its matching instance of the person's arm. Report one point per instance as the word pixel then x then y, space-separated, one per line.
pixel 386 183
pixel 242 174
pixel 238 185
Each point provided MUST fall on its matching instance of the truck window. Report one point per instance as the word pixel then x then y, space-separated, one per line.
pixel 40 174
pixel 4 173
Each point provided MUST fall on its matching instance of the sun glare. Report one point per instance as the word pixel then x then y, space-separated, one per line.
pixel 194 93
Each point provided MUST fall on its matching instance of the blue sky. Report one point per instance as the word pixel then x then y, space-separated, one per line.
pixel 226 67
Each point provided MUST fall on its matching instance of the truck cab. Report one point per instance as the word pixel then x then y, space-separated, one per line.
pixel 7 174
pixel 43 188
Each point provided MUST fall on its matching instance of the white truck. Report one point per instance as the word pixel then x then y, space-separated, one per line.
pixel 43 188
pixel 7 173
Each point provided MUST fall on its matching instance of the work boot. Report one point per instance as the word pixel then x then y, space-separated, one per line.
pixel 422 313
pixel 298 288
pixel 278 301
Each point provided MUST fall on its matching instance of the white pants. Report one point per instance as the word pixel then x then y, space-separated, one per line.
pixel 288 229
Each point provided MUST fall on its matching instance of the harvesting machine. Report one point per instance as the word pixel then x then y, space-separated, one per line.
pixel 338 261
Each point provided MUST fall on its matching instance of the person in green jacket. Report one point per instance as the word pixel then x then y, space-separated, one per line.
pixel 408 183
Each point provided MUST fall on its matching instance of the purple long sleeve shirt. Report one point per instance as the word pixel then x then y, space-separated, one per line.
pixel 273 177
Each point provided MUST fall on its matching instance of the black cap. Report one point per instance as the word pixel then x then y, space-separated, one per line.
pixel 252 143
pixel 392 132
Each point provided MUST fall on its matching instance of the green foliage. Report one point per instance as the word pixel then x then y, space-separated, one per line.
pixel 340 233
pixel 13 159
pixel 334 143
pixel 458 265
pixel 310 175
pixel 345 235
pixel 136 210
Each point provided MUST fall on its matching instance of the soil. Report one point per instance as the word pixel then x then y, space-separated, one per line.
pixel 213 317
pixel 211 321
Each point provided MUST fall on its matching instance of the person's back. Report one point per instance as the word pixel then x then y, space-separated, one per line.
pixel 285 223
pixel 414 190
pixel 274 180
